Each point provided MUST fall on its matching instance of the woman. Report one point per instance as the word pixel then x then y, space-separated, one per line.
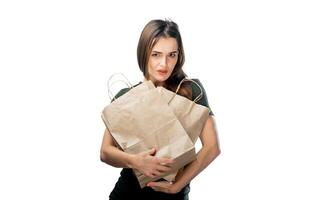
pixel 160 57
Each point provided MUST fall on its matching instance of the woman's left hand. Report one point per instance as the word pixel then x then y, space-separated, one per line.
pixel 164 186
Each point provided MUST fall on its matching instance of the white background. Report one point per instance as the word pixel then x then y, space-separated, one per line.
pixel 264 64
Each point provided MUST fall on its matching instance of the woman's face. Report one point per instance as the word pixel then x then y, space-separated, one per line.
pixel 162 60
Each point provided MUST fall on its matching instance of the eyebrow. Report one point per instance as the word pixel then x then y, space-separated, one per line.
pixel 162 52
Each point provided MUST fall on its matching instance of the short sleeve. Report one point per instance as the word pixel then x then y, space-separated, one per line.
pixel 196 92
pixel 123 91
pixel 120 93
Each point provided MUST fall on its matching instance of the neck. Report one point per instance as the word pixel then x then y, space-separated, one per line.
pixel 156 83
pixel 159 84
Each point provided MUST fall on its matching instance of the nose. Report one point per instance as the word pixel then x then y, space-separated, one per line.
pixel 163 61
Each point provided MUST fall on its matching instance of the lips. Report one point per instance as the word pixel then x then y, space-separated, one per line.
pixel 163 72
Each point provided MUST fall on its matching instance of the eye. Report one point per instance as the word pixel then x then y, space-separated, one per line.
pixel 155 54
pixel 173 55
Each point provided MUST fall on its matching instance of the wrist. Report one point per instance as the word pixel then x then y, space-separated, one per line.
pixel 132 161
pixel 176 187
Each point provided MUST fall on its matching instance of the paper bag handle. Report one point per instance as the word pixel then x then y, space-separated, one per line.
pixel 125 81
pixel 184 80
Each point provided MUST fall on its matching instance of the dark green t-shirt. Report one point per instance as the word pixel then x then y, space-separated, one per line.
pixel 195 93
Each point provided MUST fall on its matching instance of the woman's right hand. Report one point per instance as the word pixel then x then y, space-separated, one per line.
pixel 150 165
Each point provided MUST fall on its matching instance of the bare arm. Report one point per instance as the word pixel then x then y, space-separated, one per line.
pixel 209 151
pixel 111 155
pixel 145 163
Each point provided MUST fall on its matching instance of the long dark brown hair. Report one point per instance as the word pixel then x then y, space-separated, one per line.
pixel 153 31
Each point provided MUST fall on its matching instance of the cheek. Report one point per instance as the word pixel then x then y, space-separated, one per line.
pixel 173 63
pixel 152 64
pixel 175 60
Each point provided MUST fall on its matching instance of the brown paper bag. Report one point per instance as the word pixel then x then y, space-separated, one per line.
pixel 191 115
pixel 140 120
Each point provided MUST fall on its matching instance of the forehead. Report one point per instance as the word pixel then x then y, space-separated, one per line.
pixel 166 45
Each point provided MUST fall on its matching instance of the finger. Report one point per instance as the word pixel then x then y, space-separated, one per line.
pixel 160 184
pixel 151 175
pixel 152 184
pixel 157 173
pixel 163 169
pixel 152 151
pixel 166 161
pixel 156 189
pixel 149 152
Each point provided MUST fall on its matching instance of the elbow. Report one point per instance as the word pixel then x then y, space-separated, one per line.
pixel 216 151
pixel 102 156
pixel 213 151
pixel 105 158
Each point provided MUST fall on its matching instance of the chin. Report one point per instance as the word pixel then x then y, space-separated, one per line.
pixel 162 78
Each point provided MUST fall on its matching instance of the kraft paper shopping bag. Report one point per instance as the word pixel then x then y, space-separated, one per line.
pixel 141 119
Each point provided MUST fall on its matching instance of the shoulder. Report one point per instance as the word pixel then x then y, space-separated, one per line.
pixel 123 91
pixel 197 88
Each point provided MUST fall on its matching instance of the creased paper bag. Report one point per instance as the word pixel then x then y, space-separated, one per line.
pixel 191 115
pixel 142 119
